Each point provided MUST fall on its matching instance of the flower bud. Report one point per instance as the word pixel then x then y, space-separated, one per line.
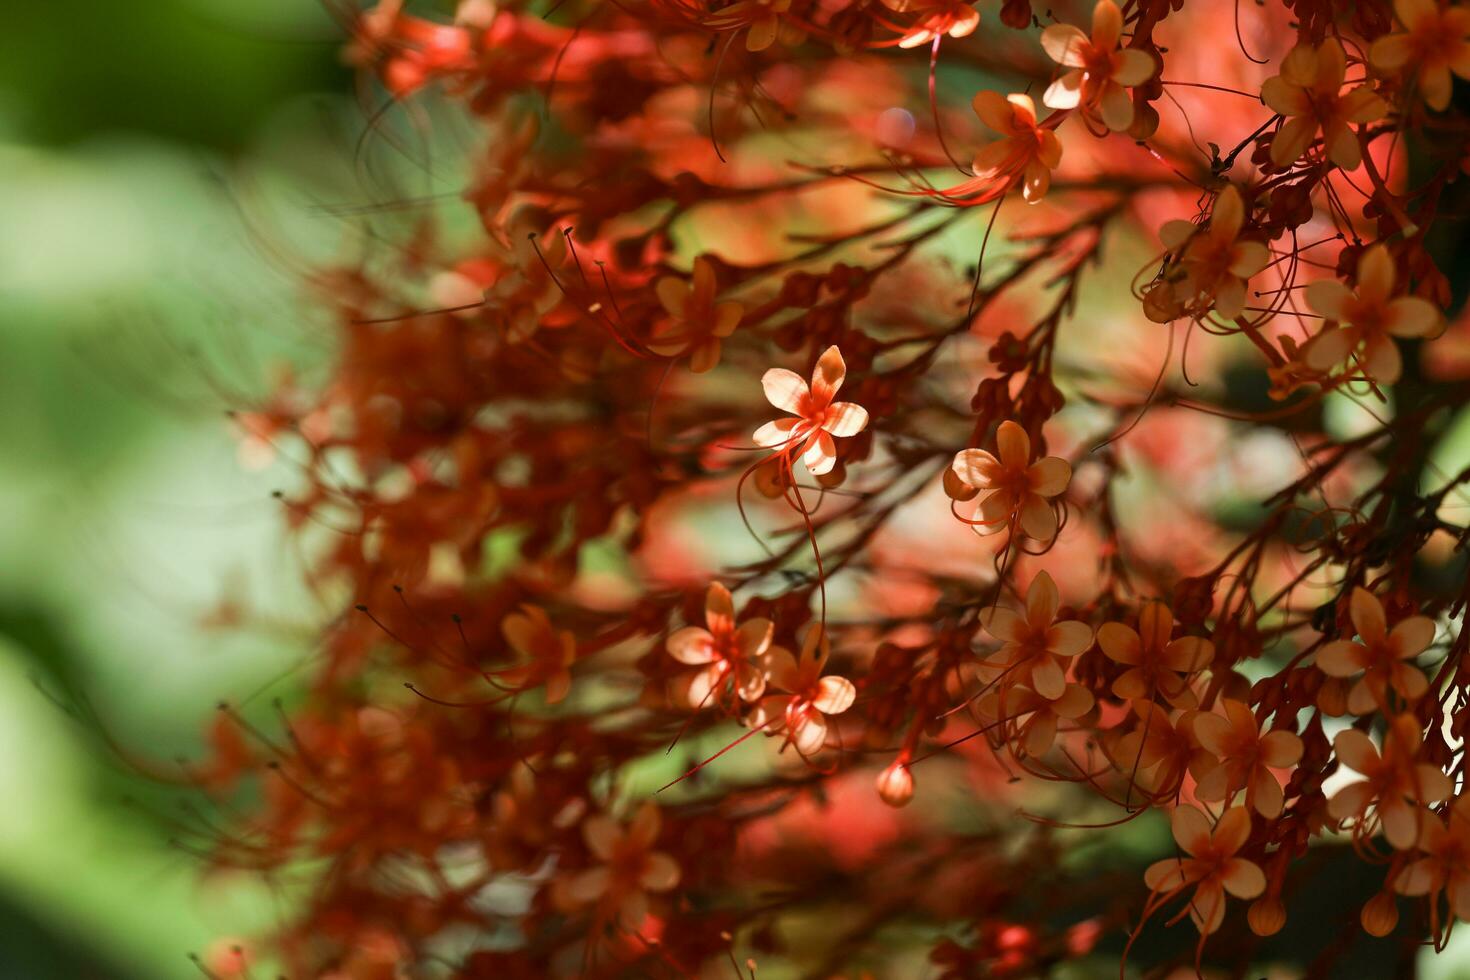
pixel 1266 916
pixel 1380 915
pixel 896 784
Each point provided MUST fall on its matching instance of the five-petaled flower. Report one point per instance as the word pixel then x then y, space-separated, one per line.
pixel 1211 264
pixel 722 651
pixel 1156 664
pixel 1434 43
pixel 1026 153
pixel 1035 648
pixel 1394 782
pixel 1445 866
pixel 1016 490
pixel 629 867
pixel 544 654
pixel 1101 72
pixel 1370 317
pixel 1244 758
pixel 818 419
pixel 1380 655
pixel 1213 866
pixel 1309 93
pixel 802 711
pixel 696 324
pixel 1029 721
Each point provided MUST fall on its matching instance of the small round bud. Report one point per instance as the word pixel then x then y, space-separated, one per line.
pixel 1380 915
pixel 1266 916
pixel 896 784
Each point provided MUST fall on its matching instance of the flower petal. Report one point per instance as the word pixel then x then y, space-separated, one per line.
pixel 1367 615
pixel 786 390
pixel 828 376
pixel 845 419
pixel 1191 829
pixel 778 434
pixel 834 695
pixel 1120 643
pixel 977 468
pixel 660 874
pixel 1038 519
pixel 1066 45
pixel 691 645
pixel 1049 476
pixel 1068 638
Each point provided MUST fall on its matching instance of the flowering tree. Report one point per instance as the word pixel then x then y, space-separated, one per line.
pixel 767 541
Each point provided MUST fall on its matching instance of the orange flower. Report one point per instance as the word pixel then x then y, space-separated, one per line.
pixel 1435 42
pixel 1158 751
pixel 722 650
pixel 1309 93
pixel 818 418
pixel 957 18
pixel 763 17
pixel 1026 153
pixel 1244 758
pixel 696 322
pixel 630 868
pixel 1213 264
pixel 1212 866
pixel 1016 489
pixel 810 697
pixel 1034 648
pixel 1029 720
pixel 1395 782
pixel 546 654
pixel 1101 72
pixel 1372 317
pixel 1380 656
pixel 1156 664
pixel 1445 866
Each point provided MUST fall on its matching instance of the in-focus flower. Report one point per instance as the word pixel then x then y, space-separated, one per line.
pixel 1035 649
pixel 1101 72
pixel 722 650
pixel 818 419
pixel 545 655
pixel 1380 655
pixel 696 323
pixel 802 711
pixel 1244 758
pixel 1434 43
pixel 630 868
pixel 1308 92
pixel 1156 664
pixel 1395 783
pixel 1370 317
pixel 1212 865
pixel 1015 489
pixel 1211 265
pixel 1025 154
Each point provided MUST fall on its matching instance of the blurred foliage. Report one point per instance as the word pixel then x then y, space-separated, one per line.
pixel 133 289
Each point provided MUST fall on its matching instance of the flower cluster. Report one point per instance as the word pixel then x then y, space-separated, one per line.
pixel 631 679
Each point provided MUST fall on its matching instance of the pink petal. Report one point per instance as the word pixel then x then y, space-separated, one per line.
pixel 786 390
